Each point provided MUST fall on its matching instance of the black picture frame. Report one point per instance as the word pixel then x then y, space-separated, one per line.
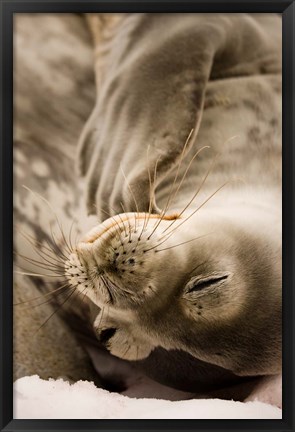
pixel 8 8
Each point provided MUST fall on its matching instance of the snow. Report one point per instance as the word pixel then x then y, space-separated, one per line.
pixel 35 398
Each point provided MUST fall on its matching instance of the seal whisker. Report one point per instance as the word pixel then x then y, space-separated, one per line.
pixel 57 309
pixel 123 225
pixel 183 243
pixel 186 171
pixel 195 155
pixel 44 266
pixel 70 235
pixel 204 202
pixel 50 258
pixel 53 212
pixel 177 170
pixel 53 292
pixel 46 262
pixel 152 188
pixel 105 282
pixel 163 213
pixel 116 223
pixel 146 219
pixel 78 294
pixel 132 195
pixel 112 216
pixel 62 247
pixel 165 237
pixel 31 239
pixel 110 287
pixel 119 233
pixel 168 235
pixel 35 274
pixel 119 288
pixel 55 242
pixel 78 233
pixel 128 221
pixel 47 258
pixel 54 271
pixel 198 190
pixel 66 243
pixel 47 301
pixel 39 263
pixel 116 226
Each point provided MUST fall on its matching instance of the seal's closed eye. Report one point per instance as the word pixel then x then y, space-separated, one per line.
pixel 198 284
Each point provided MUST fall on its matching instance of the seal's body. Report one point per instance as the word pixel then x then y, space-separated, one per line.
pixel 199 271
pixel 183 274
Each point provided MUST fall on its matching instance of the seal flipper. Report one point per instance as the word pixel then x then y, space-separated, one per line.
pixel 153 96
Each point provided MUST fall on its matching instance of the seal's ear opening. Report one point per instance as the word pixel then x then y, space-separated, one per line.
pixel 200 283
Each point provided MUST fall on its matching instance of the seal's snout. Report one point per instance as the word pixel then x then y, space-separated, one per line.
pixel 116 259
pixel 75 272
pixel 123 244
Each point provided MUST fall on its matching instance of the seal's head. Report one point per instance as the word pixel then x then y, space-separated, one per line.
pixel 199 287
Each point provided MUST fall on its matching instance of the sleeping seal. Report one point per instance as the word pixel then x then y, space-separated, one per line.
pixel 186 264
pixel 202 309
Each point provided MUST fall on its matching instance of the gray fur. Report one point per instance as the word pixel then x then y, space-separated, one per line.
pixel 155 90
pixel 53 94
pixel 219 75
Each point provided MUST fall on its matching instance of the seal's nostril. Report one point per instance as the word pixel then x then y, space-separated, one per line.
pixel 106 334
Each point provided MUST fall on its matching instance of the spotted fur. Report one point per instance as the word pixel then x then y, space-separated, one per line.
pixel 233 105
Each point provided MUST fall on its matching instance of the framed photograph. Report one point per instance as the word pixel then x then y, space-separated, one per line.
pixel 147 187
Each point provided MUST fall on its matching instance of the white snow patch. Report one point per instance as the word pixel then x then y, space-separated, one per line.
pixel 35 398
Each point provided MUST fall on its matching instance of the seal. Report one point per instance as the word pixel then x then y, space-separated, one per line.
pixel 188 276
pixel 183 270
pixel 192 283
